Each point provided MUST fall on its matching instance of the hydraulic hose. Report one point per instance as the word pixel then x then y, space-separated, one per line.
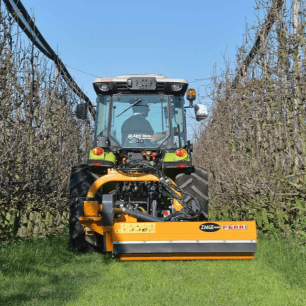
pixel 186 213
pixel 141 215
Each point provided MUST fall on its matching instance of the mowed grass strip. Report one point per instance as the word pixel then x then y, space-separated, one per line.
pixel 45 272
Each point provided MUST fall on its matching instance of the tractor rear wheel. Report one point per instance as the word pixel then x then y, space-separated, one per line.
pixel 194 181
pixel 80 181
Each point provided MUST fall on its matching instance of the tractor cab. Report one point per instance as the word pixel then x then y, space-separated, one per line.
pixel 141 120
pixel 142 111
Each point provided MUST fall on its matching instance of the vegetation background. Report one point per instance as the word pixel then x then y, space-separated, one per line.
pixel 40 139
pixel 253 144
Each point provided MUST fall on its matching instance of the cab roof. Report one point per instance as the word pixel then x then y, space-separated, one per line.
pixel 158 77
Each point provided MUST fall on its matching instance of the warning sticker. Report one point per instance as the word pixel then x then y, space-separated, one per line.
pixel 137 228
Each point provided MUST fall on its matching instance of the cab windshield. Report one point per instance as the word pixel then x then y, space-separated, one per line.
pixel 142 121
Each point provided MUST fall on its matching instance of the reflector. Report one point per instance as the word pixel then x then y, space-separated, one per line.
pixel 98 151
pixel 181 152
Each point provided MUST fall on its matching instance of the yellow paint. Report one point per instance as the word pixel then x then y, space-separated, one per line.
pixel 91 208
pixel 94 223
pixel 172 231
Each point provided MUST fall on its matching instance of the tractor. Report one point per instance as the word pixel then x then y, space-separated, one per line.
pixel 139 197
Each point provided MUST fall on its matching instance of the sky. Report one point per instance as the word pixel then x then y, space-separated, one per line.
pixel 180 39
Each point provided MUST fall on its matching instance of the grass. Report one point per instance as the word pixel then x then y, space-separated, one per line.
pixel 45 272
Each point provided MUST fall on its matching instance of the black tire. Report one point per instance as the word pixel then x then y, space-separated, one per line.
pixel 194 181
pixel 80 181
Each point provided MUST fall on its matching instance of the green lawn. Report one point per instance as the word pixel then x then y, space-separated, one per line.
pixel 45 272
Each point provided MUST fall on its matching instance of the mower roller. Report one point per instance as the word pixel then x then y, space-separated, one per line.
pixel 139 197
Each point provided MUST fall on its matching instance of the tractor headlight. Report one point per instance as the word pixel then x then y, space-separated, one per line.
pixel 176 87
pixel 104 87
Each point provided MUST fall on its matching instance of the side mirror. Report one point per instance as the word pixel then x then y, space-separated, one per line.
pixel 81 111
pixel 200 112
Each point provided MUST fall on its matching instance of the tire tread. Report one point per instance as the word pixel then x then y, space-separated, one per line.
pixel 194 181
pixel 80 181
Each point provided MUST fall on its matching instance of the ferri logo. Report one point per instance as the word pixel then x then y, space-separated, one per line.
pixel 235 227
